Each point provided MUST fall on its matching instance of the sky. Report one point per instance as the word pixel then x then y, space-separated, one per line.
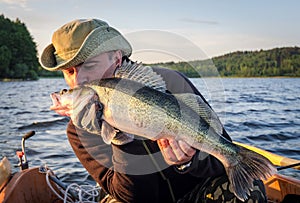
pixel 170 30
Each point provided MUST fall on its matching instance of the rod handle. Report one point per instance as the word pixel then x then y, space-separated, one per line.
pixel 28 135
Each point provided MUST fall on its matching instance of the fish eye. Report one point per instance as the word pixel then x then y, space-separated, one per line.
pixel 63 91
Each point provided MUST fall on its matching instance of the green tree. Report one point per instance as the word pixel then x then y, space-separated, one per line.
pixel 18 50
pixel 5 58
pixel 275 62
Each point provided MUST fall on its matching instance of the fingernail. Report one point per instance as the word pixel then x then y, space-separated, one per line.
pixel 164 143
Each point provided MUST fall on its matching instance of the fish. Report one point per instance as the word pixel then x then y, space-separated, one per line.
pixel 136 102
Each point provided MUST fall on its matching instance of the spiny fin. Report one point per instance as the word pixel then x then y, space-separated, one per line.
pixel 110 135
pixel 142 74
pixel 196 103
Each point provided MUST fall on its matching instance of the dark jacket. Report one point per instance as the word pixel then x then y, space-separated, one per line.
pixel 128 172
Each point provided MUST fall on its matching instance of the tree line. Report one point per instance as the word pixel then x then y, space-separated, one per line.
pixel 18 59
pixel 263 63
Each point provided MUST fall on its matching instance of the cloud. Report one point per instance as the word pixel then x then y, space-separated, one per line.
pixel 16 3
pixel 190 20
pixel 157 45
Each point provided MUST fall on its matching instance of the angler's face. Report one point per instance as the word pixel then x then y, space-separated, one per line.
pixel 97 67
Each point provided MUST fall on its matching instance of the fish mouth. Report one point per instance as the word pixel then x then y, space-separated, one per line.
pixel 57 106
pixel 55 101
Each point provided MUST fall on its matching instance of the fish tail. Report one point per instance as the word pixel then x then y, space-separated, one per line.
pixel 250 166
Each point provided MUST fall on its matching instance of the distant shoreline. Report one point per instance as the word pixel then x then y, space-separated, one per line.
pixel 14 80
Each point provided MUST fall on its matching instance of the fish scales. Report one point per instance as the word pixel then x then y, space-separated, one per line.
pixel 163 112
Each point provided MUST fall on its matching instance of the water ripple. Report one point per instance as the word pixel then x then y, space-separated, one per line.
pixel 45 124
pixel 272 137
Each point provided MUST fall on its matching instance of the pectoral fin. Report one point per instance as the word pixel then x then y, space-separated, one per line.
pixel 112 135
pixel 122 138
pixel 86 119
pixel 108 132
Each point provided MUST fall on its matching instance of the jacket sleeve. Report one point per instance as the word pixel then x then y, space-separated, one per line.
pixel 203 164
pixel 116 174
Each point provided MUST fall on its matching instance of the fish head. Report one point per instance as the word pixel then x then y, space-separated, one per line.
pixel 67 102
pixel 61 101
pixel 82 105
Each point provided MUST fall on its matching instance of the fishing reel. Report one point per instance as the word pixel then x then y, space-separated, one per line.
pixel 23 163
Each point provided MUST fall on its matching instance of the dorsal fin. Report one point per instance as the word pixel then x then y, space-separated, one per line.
pixel 142 74
pixel 196 103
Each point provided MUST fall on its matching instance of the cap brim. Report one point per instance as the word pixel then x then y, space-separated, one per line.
pixel 100 40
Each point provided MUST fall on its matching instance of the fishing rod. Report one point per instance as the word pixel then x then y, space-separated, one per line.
pixel 288 166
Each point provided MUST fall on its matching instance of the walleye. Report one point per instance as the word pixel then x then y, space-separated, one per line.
pixel 136 103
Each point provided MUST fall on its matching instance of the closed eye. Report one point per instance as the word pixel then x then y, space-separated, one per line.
pixel 88 66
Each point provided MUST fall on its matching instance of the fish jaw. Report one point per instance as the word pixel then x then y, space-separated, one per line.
pixel 55 97
pixel 57 105
pixel 63 101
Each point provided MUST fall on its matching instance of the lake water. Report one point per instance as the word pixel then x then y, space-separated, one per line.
pixel 263 112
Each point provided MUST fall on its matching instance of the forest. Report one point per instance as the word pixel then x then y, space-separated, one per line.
pixel 277 62
pixel 18 54
pixel 19 59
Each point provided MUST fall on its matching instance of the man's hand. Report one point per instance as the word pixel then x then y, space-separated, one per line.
pixel 175 152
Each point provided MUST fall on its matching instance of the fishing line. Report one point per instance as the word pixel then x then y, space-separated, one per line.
pixel 84 193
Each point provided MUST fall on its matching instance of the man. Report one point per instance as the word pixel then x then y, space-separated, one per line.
pixel 141 170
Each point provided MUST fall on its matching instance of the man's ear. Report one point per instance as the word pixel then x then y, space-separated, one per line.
pixel 118 58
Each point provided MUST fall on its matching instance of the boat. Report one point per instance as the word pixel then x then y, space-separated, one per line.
pixel 28 185
pixel 39 184
pixel 281 188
